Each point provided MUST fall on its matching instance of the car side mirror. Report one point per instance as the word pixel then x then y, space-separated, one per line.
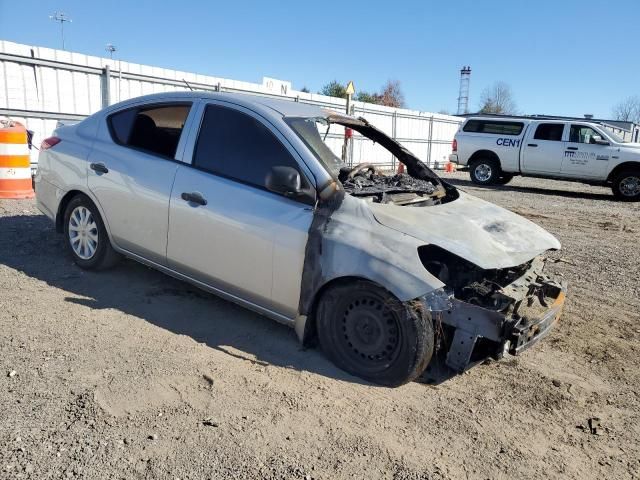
pixel 598 140
pixel 285 181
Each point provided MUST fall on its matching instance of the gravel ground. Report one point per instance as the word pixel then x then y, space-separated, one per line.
pixel 130 374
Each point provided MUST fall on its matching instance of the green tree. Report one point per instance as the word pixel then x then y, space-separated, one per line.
pixel 368 97
pixel 305 90
pixel 334 89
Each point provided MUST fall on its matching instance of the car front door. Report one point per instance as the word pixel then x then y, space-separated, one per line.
pixel 225 228
pixel 132 169
pixel 583 157
pixel 542 151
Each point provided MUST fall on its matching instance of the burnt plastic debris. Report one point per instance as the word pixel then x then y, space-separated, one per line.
pixel 368 183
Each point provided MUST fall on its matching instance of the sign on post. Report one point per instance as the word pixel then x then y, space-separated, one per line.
pixel 350 90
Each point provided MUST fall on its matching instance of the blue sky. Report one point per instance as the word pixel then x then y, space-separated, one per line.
pixel 563 57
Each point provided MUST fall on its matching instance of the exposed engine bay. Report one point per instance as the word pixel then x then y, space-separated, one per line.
pixel 517 292
pixel 368 183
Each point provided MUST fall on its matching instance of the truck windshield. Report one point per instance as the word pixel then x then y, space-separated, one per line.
pixel 614 136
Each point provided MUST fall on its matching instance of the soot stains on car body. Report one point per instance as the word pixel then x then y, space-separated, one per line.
pixel 477 312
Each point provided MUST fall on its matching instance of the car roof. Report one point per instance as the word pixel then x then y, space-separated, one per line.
pixel 268 105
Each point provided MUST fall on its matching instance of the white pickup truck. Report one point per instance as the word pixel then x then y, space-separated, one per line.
pixel 496 149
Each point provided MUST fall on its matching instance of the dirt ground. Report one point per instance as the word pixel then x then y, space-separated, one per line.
pixel 130 374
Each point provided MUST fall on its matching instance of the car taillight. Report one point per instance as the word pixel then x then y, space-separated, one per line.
pixel 454 145
pixel 47 143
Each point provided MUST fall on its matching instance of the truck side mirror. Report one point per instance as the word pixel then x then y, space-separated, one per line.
pixel 598 140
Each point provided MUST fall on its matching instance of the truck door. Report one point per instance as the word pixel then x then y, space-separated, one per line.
pixel 583 156
pixel 543 149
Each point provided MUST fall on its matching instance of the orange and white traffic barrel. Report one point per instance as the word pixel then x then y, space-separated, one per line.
pixel 15 165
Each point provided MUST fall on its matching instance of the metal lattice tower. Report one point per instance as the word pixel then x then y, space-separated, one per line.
pixel 463 95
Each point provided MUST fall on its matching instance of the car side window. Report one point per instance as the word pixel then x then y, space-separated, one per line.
pixel 582 134
pixel 155 129
pixel 237 146
pixel 549 131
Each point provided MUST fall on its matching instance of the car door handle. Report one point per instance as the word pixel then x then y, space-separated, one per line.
pixel 572 148
pixel 194 197
pixel 532 144
pixel 99 167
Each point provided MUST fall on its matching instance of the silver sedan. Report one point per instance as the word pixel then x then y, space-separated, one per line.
pixel 394 275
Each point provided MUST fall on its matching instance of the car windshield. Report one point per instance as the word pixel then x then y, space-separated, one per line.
pixel 314 132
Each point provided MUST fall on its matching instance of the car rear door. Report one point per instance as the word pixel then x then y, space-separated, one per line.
pixel 225 228
pixel 543 148
pixel 132 168
pixel 582 157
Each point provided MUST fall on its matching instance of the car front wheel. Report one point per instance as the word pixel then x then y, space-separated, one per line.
pixel 368 332
pixel 86 237
pixel 626 185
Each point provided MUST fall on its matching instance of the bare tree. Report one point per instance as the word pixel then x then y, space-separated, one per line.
pixel 391 94
pixel 498 98
pixel 628 110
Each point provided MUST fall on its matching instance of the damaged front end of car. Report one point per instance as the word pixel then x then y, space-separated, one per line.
pixel 412 233
pixel 483 314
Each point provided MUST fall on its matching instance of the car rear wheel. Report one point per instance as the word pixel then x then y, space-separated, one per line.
pixel 626 185
pixel 86 237
pixel 485 171
pixel 368 332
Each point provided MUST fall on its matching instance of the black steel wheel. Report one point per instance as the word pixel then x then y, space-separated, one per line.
pixel 368 332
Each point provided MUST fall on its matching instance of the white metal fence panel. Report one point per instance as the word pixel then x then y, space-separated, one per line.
pixel 41 86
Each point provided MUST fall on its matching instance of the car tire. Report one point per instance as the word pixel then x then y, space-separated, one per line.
pixel 485 171
pixel 368 332
pixel 504 179
pixel 85 235
pixel 626 185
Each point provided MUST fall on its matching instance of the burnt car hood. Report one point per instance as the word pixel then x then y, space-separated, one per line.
pixel 480 232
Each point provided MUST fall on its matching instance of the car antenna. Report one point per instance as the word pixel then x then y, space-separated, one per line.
pixel 187 84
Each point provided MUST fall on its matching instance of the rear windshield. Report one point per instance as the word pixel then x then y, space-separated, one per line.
pixel 493 126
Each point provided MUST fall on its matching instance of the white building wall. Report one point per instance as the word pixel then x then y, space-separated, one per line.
pixel 39 94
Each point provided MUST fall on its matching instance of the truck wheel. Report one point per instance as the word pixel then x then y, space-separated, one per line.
pixel 626 185
pixel 485 171
pixel 504 179
pixel 368 332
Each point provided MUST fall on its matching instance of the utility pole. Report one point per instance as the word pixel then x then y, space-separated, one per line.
pixel 111 48
pixel 61 17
